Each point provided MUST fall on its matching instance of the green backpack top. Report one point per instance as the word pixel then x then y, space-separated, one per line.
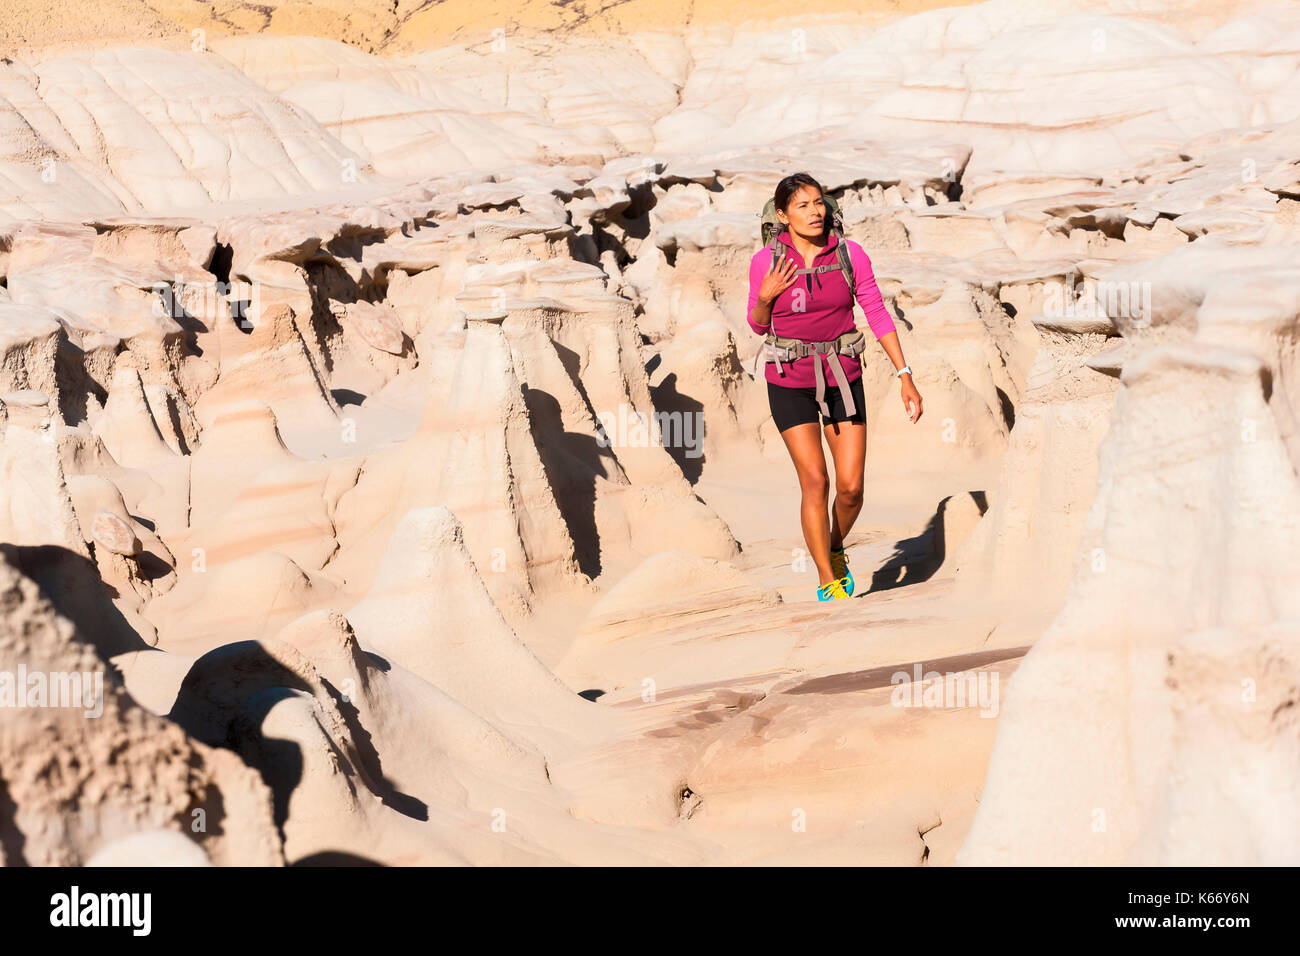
pixel 770 228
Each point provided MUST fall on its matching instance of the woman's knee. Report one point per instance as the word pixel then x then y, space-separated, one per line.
pixel 849 490
pixel 815 485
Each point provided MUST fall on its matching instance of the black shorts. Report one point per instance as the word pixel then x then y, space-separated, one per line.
pixel 798 406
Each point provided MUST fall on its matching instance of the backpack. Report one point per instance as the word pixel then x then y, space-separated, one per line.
pixel 770 229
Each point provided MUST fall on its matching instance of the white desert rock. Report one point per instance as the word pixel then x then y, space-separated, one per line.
pixel 1111 657
pixel 103 763
pixel 113 533
pixel 492 470
pixel 670 584
pixel 29 337
pixel 151 848
pixel 376 326
pixel 429 611
pixel 279 369
pixel 1025 545
pixel 327 349
pixel 195 616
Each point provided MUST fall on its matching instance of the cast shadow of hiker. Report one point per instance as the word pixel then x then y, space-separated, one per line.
pixel 917 559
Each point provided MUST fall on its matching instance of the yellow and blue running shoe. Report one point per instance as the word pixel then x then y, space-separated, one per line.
pixel 832 591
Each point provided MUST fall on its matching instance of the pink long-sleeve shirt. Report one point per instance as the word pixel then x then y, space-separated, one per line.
pixel 817 308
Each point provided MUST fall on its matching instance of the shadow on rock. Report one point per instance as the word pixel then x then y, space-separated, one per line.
pixel 917 559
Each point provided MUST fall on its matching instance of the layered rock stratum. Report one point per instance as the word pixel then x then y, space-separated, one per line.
pixel 335 345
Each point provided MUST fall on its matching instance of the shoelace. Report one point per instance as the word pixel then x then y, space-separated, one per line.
pixel 835 589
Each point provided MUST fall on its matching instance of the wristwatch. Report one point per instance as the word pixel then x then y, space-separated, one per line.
pixel 905 368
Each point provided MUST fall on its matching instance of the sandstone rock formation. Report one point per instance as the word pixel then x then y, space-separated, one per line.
pixel 376 427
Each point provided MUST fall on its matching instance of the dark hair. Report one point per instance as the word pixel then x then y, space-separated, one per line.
pixel 787 187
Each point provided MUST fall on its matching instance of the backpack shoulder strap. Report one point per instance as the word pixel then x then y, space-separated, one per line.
pixel 846 263
pixel 842 243
pixel 778 248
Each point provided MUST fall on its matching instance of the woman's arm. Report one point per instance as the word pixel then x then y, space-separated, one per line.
pixel 873 303
pixel 907 390
pixel 882 325
pixel 894 349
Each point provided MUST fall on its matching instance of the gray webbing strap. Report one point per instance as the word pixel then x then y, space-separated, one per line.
pixel 850 343
pixel 826 267
pixel 831 357
pixel 821 386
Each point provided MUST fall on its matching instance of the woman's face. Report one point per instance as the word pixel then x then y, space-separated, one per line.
pixel 806 213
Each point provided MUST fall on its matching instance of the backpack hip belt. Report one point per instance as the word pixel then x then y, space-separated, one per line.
pixel 779 349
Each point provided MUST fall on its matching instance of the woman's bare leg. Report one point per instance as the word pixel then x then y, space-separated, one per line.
pixel 804 442
pixel 848 441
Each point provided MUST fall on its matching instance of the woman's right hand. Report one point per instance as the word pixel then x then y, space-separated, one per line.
pixel 778 279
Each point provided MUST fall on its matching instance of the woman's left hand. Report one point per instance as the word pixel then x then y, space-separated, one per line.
pixel 911 399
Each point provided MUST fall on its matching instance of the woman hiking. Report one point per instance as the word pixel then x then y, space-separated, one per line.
pixel 814 373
